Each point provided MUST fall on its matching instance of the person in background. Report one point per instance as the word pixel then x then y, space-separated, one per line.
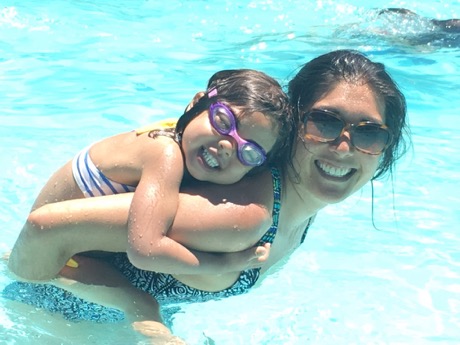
pixel 451 25
pixel 407 27
pixel 237 127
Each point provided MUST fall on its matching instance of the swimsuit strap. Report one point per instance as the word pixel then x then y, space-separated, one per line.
pixel 269 236
pixel 310 222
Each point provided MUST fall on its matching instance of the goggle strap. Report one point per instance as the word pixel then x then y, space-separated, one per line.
pixel 212 92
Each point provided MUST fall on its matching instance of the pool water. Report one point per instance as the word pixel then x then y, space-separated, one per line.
pixel 74 72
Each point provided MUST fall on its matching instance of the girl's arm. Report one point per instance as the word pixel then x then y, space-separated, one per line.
pixel 152 214
pixel 209 218
pixel 154 207
pixel 153 210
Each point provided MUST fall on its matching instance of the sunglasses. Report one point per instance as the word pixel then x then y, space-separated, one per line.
pixel 224 122
pixel 326 126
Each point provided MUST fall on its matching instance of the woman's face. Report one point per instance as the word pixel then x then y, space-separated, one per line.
pixel 330 172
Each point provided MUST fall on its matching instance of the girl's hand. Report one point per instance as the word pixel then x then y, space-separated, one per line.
pixel 253 257
pixel 261 254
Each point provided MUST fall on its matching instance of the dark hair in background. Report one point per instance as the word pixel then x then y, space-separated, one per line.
pixel 320 75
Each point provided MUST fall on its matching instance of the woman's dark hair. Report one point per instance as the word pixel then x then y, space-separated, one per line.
pixel 316 78
pixel 252 91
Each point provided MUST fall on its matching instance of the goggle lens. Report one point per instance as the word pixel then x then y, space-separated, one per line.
pixel 326 126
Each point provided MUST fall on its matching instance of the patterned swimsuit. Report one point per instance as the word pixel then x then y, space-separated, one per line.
pixel 166 289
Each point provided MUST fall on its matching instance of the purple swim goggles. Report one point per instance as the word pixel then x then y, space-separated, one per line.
pixel 224 122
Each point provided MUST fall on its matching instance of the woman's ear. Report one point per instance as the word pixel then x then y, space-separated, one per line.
pixel 195 100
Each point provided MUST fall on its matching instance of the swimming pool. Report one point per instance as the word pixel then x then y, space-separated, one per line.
pixel 73 72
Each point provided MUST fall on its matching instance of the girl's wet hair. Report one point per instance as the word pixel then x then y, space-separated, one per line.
pixel 319 76
pixel 252 91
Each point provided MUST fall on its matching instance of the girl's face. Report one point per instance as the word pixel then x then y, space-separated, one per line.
pixel 330 172
pixel 210 156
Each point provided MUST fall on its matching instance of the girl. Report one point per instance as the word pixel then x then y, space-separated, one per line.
pixel 236 128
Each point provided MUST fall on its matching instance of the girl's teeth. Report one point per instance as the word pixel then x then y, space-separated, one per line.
pixel 333 171
pixel 209 159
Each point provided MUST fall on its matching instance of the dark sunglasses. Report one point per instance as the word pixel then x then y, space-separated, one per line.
pixel 224 122
pixel 326 126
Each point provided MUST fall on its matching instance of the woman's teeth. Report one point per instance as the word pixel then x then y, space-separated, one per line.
pixel 333 171
pixel 209 159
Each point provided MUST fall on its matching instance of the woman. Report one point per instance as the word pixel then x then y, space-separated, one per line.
pixel 350 129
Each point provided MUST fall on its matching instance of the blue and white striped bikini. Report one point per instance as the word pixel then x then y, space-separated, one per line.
pixel 91 180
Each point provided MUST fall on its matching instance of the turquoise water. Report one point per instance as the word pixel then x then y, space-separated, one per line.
pixel 73 72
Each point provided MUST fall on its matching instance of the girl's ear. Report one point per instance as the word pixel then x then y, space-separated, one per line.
pixel 195 99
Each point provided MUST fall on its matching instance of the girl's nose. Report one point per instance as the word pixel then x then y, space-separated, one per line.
pixel 225 151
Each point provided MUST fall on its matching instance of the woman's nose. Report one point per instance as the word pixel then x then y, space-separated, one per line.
pixel 342 145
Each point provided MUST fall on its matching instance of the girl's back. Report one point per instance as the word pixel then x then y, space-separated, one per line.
pixel 120 158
